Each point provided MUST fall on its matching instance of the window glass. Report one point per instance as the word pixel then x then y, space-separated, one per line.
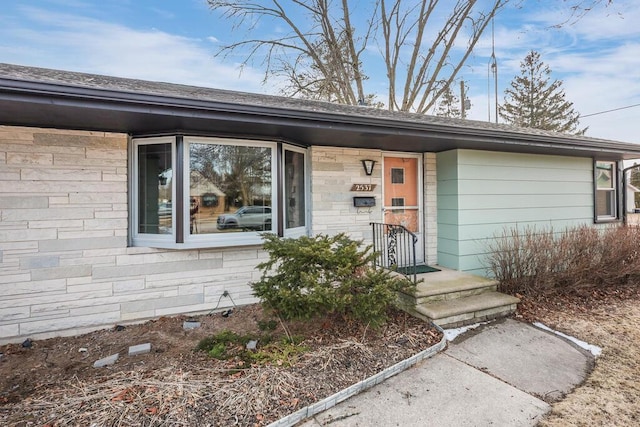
pixel 604 173
pixel 155 189
pixel 294 189
pixel 606 195
pixel 230 188
pixel 397 175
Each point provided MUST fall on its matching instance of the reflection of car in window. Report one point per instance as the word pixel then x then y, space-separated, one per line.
pixel 247 217
pixel 164 209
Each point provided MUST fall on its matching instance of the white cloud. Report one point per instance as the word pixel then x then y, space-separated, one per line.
pixel 78 43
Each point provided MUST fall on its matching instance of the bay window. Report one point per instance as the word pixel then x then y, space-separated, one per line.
pixel 211 192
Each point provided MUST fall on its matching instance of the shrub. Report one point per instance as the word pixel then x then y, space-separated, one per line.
pixel 322 275
pixel 531 261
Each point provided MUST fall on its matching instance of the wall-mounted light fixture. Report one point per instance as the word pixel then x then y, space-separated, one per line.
pixel 368 166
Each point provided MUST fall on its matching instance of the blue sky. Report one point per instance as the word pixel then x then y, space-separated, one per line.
pixel 598 58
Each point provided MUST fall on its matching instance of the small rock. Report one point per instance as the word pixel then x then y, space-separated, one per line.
pixel 251 345
pixel 134 350
pixel 27 343
pixel 105 361
pixel 188 324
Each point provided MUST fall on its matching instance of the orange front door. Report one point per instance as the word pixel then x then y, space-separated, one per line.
pixel 401 201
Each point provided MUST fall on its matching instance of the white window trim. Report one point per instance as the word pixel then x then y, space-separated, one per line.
pixel 614 190
pixel 146 239
pixel 213 240
pixel 244 238
pixel 303 230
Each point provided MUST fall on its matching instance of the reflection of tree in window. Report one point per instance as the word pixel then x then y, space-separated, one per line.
pixel 242 173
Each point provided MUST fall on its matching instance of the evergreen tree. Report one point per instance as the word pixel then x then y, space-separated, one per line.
pixel 534 101
pixel 449 105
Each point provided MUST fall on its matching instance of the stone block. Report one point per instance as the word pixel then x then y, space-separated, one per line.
pixel 60 175
pixel 30 159
pixel 127 286
pixel 47 214
pixel 27 235
pixel 84 140
pixel 7 331
pixel 13 313
pixel 135 350
pixel 106 361
pixel 13 280
pixel 61 272
pixel 59 245
pixel 105 224
pixel 189 324
pixel 99 319
pixel 159 303
pixel 24 202
pixel 94 309
pixel 155 268
pixel 27 263
pixel 91 288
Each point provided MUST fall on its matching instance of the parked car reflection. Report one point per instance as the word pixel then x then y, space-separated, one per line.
pixel 248 218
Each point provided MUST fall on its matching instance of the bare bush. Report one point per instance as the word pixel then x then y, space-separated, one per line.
pixel 534 261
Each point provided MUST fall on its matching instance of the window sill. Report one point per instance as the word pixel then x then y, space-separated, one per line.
pixel 193 243
pixel 605 220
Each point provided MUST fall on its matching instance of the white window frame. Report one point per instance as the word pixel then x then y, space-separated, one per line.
pixel 614 190
pixel 147 239
pixel 214 240
pixel 227 239
pixel 303 230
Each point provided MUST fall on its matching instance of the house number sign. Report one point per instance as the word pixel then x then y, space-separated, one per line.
pixel 363 187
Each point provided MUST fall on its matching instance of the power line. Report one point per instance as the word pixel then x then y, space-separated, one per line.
pixel 609 111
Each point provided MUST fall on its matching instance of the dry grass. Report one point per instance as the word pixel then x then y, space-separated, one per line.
pixel 611 394
pixel 52 384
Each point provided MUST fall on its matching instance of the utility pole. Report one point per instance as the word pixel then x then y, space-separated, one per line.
pixel 494 67
pixel 463 110
pixel 465 104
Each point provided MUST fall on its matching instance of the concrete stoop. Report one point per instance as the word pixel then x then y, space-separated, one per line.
pixel 451 299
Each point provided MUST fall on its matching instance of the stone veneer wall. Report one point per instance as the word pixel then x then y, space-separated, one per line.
pixel 431 208
pixel 335 170
pixel 65 267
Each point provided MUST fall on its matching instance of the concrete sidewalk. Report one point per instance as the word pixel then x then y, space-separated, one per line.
pixel 500 374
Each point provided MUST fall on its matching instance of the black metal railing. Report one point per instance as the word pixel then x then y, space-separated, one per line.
pixel 396 248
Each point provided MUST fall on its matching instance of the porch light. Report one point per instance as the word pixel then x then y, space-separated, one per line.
pixel 368 166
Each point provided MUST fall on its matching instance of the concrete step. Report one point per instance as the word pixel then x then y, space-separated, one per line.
pixel 447 285
pixel 457 312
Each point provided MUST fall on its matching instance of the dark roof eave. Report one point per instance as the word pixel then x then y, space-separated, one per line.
pixel 162 105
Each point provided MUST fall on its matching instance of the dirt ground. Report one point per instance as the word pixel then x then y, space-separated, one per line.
pixel 53 382
pixel 610 396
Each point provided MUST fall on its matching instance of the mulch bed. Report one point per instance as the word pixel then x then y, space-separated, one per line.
pixel 53 383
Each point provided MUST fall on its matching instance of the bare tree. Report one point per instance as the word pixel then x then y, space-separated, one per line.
pixel 423 44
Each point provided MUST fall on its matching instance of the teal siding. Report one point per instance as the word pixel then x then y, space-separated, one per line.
pixel 482 193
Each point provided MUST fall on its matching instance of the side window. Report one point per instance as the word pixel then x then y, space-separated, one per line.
pixel 294 190
pixel 606 191
pixel 154 190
